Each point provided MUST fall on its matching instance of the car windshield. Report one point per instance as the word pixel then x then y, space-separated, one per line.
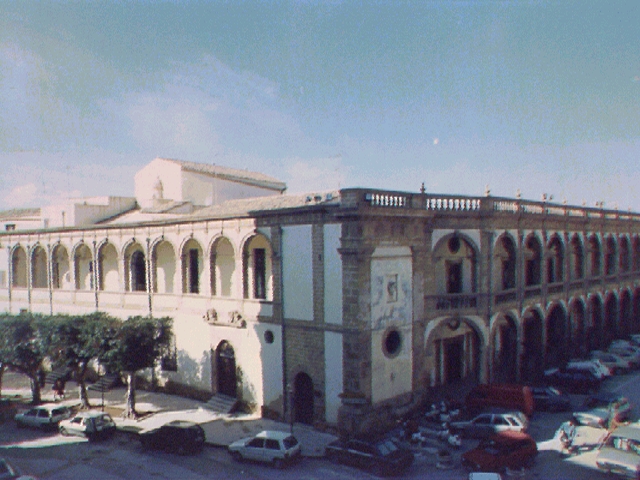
pixel 290 442
pixel 386 447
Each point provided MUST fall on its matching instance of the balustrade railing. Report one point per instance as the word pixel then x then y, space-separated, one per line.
pixel 453 301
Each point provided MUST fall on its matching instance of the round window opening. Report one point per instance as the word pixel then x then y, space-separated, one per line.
pixel 268 336
pixel 392 343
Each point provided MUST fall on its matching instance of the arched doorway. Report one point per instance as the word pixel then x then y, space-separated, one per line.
pixel 226 370
pixel 303 398
pixel 531 366
pixel 610 319
pixel 556 351
pixel 577 327
pixel 505 351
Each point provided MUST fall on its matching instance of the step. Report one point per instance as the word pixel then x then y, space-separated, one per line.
pixel 221 403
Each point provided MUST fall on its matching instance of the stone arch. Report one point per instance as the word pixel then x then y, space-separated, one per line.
pixel 224 373
pixel 594 256
pixel 223 266
pixel 532 261
pixel 635 255
pixel 60 270
pixel 610 318
pixel 557 336
pixel 135 267
pixel 257 268
pixel 303 399
pixel 163 266
pixel 577 319
pixel 595 329
pixel 19 267
pixel 625 321
pixel 635 323
pixel 576 258
pixel 456 258
pixel 555 259
pixel 504 258
pixel 625 253
pixel 108 270
pixel 504 349
pixel 457 345
pixel 83 267
pixel 191 256
pixel 532 356
pixel 39 267
pixel 610 255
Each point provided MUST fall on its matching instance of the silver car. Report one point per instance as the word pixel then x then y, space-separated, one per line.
pixel 267 446
pixel 486 424
pixel 621 452
pixel 44 416
pixel 91 424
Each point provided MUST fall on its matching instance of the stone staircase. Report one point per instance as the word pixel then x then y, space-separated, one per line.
pixel 221 403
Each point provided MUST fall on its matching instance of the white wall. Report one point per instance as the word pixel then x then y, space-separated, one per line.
pixel 169 173
pixel 333 375
pixel 332 275
pixel 201 189
pixel 297 272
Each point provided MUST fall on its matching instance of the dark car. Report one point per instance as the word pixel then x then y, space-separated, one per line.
pixel 384 457
pixel 550 399
pixel 603 410
pixel 574 380
pixel 513 450
pixel 179 437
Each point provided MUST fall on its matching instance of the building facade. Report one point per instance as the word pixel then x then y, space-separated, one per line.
pixel 345 307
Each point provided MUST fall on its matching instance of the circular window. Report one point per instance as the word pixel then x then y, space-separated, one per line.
pixel 268 336
pixel 392 343
pixel 454 244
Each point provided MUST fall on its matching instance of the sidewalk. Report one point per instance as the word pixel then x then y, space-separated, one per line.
pixel 156 409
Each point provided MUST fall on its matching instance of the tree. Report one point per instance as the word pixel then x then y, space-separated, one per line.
pixel 134 345
pixel 24 347
pixel 75 341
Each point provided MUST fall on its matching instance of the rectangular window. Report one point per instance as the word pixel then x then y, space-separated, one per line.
pixel 9 226
pixel 194 278
pixel 259 273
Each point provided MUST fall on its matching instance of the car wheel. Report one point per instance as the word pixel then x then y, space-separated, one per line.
pixel 278 463
pixel 236 456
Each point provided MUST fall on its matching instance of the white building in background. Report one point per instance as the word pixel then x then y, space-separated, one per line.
pixel 344 307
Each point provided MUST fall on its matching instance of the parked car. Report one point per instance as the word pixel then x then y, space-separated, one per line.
pixel 93 425
pixel 383 457
pixel 614 362
pixel 601 409
pixel 550 399
pixel 276 448
pixel 620 453
pixel 628 353
pixel 179 436
pixel 9 472
pixel 594 365
pixel 486 424
pixel 500 395
pixel 573 379
pixel 44 416
pixel 485 476
pixel 513 450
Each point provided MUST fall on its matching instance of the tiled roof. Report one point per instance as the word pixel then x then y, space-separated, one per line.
pixel 233 174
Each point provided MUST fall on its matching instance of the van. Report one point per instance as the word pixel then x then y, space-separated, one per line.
pixel 501 395
pixel 621 452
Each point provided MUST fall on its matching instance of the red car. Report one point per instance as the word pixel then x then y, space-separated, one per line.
pixel 503 450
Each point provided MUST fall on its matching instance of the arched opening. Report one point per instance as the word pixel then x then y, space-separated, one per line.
pixel 625 254
pixel 610 255
pixel 610 319
pixel 533 260
pixel 532 360
pixel 555 260
pixel 60 274
pixel 223 265
pixel 164 267
pixel 39 272
pixel 576 258
pixel 192 267
pixel 635 322
pixel 505 262
pixel 257 275
pixel 456 348
pixel 595 331
pixel 303 399
pixel 135 268
pixel 578 337
pixel 19 268
pixel 594 256
pixel 626 327
pixel 455 266
pixel 226 376
pixel 83 265
pixel 505 350
pixel 636 254
pixel 556 351
pixel 109 277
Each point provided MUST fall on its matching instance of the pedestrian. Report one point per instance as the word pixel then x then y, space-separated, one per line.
pixel 58 389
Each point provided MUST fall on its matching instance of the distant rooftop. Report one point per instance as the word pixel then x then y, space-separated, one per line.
pixel 19 213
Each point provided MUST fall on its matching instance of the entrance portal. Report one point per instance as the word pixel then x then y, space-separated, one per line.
pixel 303 399
pixel 226 369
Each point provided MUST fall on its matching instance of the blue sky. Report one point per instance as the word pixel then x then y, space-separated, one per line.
pixel 536 96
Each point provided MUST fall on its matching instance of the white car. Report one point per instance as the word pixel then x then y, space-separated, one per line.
pixel 267 446
pixel 621 452
pixel 594 366
pixel 612 361
pixel 44 416
pixel 90 424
